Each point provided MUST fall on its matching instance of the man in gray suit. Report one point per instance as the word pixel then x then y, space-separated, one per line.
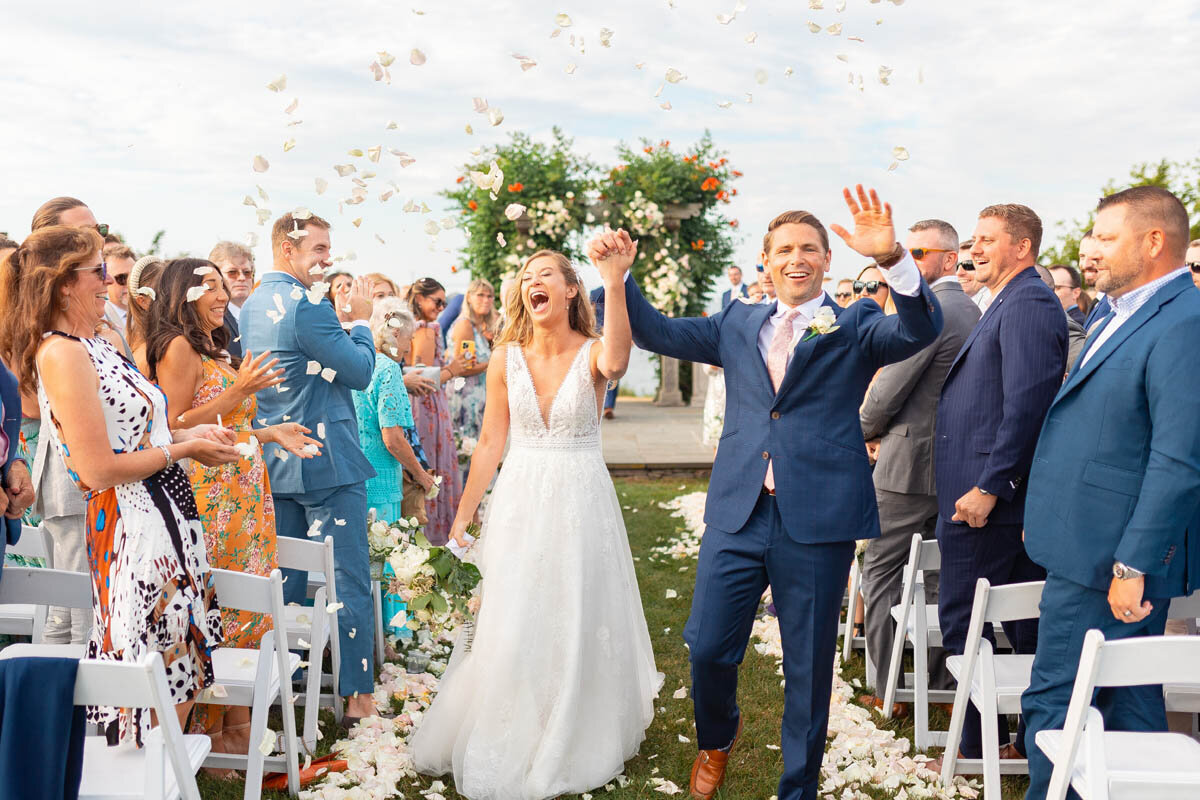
pixel 897 420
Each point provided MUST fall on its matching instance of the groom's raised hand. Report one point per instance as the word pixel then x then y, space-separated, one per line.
pixel 874 236
pixel 613 253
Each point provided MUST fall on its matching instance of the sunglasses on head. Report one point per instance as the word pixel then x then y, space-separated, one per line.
pixel 870 286
pixel 920 252
pixel 969 266
pixel 101 269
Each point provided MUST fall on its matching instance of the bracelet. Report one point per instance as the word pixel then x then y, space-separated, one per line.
pixel 166 453
pixel 893 258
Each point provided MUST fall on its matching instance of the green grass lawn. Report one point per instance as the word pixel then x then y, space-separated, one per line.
pixel 754 769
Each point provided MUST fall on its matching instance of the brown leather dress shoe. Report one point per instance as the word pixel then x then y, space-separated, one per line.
pixel 899 710
pixel 708 770
pixel 1009 750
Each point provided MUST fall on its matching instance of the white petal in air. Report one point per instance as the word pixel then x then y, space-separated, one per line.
pixel 480 105
pixel 751 37
pixel 562 20
pixel 495 116
pixel 760 76
pixel 279 84
pixel 321 185
pixel 675 76
pixel 416 57
pixel 292 106
pixel 514 211
pixel 900 153
pixel 386 58
pixel 289 145
pixel 261 164
pixel 313 368
pixel 431 227
pixel 606 37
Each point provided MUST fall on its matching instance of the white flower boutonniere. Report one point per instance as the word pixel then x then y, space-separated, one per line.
pixel 824 322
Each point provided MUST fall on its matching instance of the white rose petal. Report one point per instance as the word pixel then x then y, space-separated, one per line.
pixel 194 293
pixel 279 84
pixel 321 435
pixel 311 450
pixel 267 745
pixel 672 594
pixel 261 164
pixel 562 20
pixel 328 374
pixel 675 76
pixel 296 293
pixel 900 153
pixel 416 57
pixel 513 211
pixel 680 693
pixel 495 116
pixel 314 529
pixel 313 368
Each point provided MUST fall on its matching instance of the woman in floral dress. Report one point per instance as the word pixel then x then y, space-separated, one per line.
pixel 185 354
pixel 151 587
pixel 427 298
pixel 478 324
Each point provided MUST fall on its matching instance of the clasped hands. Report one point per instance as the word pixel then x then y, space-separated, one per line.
pixel 613 253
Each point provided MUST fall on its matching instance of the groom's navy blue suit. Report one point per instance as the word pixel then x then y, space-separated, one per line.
pixel 801 539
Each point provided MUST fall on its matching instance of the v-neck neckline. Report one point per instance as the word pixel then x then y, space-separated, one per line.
pixel 549 414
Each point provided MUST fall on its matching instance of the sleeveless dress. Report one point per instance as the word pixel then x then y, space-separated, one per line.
pixel 436 432
pixel 556 689
pixel 151 587
pixel 466 404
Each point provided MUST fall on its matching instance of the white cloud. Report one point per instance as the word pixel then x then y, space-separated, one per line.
pixel 153 117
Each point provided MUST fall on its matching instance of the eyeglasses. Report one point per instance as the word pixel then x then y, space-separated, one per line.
pixel 969 266
pixel 237 274
pixel 871 286
pixel 439 303
pixel 122 279
pixel 843 295
pixel 920 252
pixel 101 269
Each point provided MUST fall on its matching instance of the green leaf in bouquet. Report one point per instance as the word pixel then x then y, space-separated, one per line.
pixel 420 541
pixel 421 601
pixel 438 603
pixel 442 561
pixel 463 578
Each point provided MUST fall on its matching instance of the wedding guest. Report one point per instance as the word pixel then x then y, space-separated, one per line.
pixel 989 414
pixel 381 286
pixel 477 328
pixel 120 259
pixel 736 287
pixel 236 263
pixel 843 295
pixel 186 355
pixel 1193 261
pixel 800 368
pixel 427 297
pixel 151 587
pixel 143 288
pixel 872 285
pixel 17 483
pixel 1089 271
pixel 613 389
pixel 1069 290
pixel 310 494
pixel 1076 335
pixel 755 292
pixel 898 413
pixel 386 428
pixel 768 286
pixel 1111 511
pixel 449 315
pixel 966 270
pixel 339 286
pixel 57 499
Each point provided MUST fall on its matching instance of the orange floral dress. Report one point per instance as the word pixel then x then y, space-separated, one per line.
pixel 236 507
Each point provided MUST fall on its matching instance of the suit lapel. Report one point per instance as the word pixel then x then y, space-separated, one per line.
pixel 992 310
pixel 759 314
pixel 1127 329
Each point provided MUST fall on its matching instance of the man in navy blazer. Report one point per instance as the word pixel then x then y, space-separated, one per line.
pixel 791 486
pixel 1113 511
pixel 325 495
pixel 610 393
pixel 991 409
pixel 737 288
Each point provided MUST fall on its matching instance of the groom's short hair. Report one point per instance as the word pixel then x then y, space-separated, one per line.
pixel 796 218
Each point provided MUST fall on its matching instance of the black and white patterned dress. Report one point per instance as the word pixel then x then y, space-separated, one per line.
pixel 151 585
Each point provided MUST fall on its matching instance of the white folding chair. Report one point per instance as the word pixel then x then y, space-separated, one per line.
pixel 165 768
pixel 316 624
pixel 1185 697
pixel 29 619
pixel 256 678
pixel 27 592
pixel 994 683
pixel 1102 765
pixel 850 642
pixel 917 625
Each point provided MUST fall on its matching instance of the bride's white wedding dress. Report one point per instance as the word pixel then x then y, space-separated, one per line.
pixel 558 686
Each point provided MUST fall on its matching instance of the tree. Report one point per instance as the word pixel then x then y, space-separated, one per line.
pixel 1181 178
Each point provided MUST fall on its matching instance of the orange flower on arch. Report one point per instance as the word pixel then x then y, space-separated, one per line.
pixel 709 184
pixel 698 244
pixel 647 149
pixel 516 187
pixel 733 223
pixel 459 179
pixel 735 173
pixel 473 205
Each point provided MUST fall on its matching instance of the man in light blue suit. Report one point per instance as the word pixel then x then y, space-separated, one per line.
pixel 791 486
pixel 1113 509
pixel 323 362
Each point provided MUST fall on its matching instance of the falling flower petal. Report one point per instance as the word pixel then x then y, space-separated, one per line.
pixel 885 75
pixel 288 145
pixel 380 238
pixel 356 221
pixel 675 76
pixel 562 20
pixel 814 27
pixel 816 5
pixel 279 84
pixel 665 106
pixel 725 104
pixel 297 235
pixel 527 63
pixel 760 76
pixel 570 68
pixel 146 291
pixel 344 169
pixel 313 368
pixel 480 105
pixel 605 37
pixel 249 201
pixel 900 153
pixel 835 29
pixel 263 215
pixel 513 211
pixel 416 57
pixel 405 158
pixel 788 72
pixel 432 228
pixel 751 37
pixel 892 166
pixel 292 106
pixel 495 117
pixel 386 58
pixel 261 164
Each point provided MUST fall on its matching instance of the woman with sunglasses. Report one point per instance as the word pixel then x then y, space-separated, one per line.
pixel 427 299
pixel 152 591
pixel 870 284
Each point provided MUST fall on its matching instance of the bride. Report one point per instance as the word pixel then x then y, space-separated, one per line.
pixel 557 688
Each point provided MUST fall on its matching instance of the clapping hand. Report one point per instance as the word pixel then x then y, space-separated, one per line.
pixel 293 437
pixel 874 236
pixel 256 373
pixel 613 253
pixel 358 302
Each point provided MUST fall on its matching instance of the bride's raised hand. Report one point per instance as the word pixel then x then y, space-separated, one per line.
pixel 613 253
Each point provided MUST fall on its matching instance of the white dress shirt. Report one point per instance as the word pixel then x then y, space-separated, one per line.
pixel 1126 306
pixel 983 298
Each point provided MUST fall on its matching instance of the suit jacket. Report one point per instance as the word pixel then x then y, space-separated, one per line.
pixel 1099 311
pixel 10 398
pixel 1116 474
pixel 728 295
pixel 235 335
pixel 996 395
pixel 597 298
pixel 1076 314
pixel 1076 339
pixel 809 429
pixel 309 333
pixel 901 404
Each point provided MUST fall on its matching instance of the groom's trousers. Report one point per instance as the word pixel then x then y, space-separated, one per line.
pixel 807 584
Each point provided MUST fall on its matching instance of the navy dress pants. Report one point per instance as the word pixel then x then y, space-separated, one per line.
pixel 997 553
pixel 807 582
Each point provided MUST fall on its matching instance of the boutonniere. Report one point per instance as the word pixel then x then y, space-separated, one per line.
pixel 747 301
pixel 824 322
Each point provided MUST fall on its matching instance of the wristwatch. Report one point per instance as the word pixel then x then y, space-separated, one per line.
pixel 982 490
pixel 1124 572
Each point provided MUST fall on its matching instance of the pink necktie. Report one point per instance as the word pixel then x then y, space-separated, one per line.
pixel 777 365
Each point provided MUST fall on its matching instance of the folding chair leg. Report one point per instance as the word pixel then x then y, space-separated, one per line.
pixel 288 712
pixel 921 697
pixel 312 692
pixel 894 668
pixel 258 729
pixel 377 602
pixel 991 748
pixel 851 606
pixel 954 736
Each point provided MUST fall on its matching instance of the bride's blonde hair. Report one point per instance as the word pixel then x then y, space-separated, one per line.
pixel 518 324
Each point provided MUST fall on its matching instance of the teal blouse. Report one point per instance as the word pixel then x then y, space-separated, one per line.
pixel 383 404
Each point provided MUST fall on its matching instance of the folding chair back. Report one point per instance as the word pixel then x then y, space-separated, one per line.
pixel 26 594
pixel 1160 764
pixel 35 542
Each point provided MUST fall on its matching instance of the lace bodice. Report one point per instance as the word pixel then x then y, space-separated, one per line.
pixel 573 421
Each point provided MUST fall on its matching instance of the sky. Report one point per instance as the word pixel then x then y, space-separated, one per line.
pixel 153 113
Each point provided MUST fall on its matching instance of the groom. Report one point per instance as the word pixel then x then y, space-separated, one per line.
pixel 791 486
